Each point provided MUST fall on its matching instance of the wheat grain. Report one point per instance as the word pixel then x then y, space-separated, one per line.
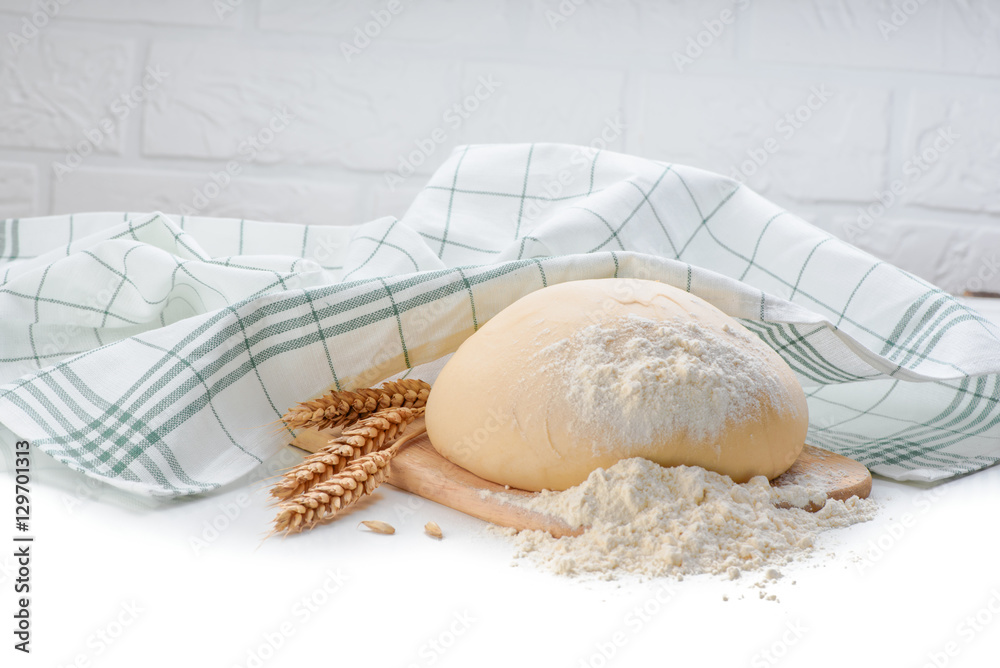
pixel 358 440
pixel 343 407
pixel 380 527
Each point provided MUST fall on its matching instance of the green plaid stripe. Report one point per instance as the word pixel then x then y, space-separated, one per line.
pixel 157 356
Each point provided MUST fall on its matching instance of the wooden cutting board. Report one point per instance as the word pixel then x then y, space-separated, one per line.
pixel 419 469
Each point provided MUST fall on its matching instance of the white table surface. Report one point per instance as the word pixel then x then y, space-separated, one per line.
pixel 120 585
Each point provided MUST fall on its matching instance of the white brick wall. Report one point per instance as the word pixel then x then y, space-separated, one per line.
pixel 211 192
pixel 825 106
pixel 915 35
pixel 60 85
pixel 18 188
pixel 788 140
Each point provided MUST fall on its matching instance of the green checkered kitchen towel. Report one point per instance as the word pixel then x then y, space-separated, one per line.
pixel 155 352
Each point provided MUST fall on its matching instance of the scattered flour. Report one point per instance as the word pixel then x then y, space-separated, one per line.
pixel 654 521
pixel 622 373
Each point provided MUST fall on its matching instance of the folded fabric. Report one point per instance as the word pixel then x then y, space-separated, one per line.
pixel 157 352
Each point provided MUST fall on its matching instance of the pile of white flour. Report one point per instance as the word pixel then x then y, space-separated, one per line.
pixel 620 375
pixel 655 521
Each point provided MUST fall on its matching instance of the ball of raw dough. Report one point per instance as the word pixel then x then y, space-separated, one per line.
pixel 579 375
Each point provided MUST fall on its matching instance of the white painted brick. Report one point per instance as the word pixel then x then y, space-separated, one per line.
pixel 60 85
pixel 844 32
pixel 972 37
pixel 678 26
pixel 178 12
pixel 366 115
pixel 18 190
pixel 931 36
pixel 362 115
pixel 543 104
pixel 427 21
pixel 965 174
pixel 290 201
pixel 652 26
pixel 952 256
pixel 591 26
pixel 837 153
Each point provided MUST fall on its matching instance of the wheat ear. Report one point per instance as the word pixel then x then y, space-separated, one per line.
pixel 325 500
pixel 343 407
pixel 358 440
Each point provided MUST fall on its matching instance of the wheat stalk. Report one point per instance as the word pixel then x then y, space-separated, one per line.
pixel 360 439
pixel 325 500
pixel 343 407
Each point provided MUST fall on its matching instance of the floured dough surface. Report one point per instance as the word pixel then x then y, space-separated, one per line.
pixel 580 375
